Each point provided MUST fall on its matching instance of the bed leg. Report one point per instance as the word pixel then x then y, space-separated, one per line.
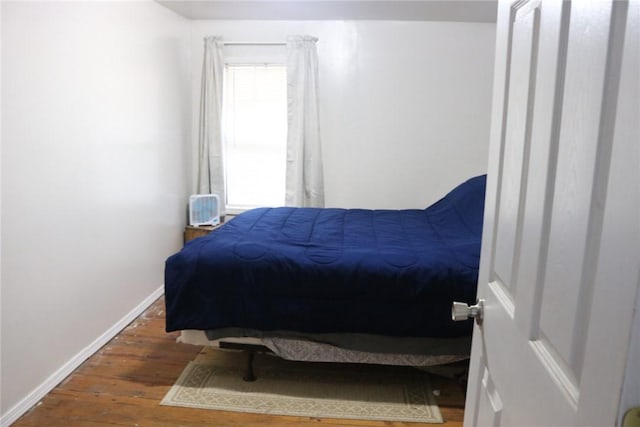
pixel 249 376
pixel 251 350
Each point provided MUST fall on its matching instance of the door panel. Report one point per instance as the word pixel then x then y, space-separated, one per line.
pixel 567 283
pixel 556 93
pixel 524 32
pixel 490 405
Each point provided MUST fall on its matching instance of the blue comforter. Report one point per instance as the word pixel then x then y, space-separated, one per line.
pixel 315 270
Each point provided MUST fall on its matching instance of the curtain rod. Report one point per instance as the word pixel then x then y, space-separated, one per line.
pixel 254 43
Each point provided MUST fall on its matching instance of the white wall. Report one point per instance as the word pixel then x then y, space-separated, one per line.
pixel 95 124
pixel 1 7
pixel 405 106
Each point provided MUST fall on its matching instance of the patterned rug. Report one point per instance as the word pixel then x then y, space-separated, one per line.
pixel 385 393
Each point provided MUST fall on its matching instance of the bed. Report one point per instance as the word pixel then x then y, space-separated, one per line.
pixel 347 285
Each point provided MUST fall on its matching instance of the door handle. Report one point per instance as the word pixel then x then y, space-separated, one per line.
pixel 461 311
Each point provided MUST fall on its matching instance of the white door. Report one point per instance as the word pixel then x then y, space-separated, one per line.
pixel 560 262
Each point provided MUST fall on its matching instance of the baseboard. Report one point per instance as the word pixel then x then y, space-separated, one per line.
pixel 50 383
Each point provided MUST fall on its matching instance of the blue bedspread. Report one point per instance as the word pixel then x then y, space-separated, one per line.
pixel 314 270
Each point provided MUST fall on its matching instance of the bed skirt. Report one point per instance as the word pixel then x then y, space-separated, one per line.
pixel 442 351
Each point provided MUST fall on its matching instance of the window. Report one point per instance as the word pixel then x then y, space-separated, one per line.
pixel 255 134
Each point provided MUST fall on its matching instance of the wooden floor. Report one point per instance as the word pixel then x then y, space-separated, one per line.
pixel 123 383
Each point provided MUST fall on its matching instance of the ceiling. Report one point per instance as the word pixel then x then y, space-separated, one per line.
pixel 402 10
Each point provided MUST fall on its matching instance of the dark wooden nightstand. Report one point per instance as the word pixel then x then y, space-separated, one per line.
pixel 191 232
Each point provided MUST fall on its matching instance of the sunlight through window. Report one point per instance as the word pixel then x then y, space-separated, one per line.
pixel 255 134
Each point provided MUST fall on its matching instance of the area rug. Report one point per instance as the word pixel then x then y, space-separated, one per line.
pixel 344 391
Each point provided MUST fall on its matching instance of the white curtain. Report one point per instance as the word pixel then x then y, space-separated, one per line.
pixel 210 151
pixel 305 181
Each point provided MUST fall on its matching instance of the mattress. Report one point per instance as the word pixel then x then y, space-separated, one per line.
pixel 384 272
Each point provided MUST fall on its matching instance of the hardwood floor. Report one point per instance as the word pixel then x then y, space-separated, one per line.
pixel 124 382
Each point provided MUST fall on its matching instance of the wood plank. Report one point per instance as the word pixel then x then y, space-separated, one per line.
pixel 124 382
